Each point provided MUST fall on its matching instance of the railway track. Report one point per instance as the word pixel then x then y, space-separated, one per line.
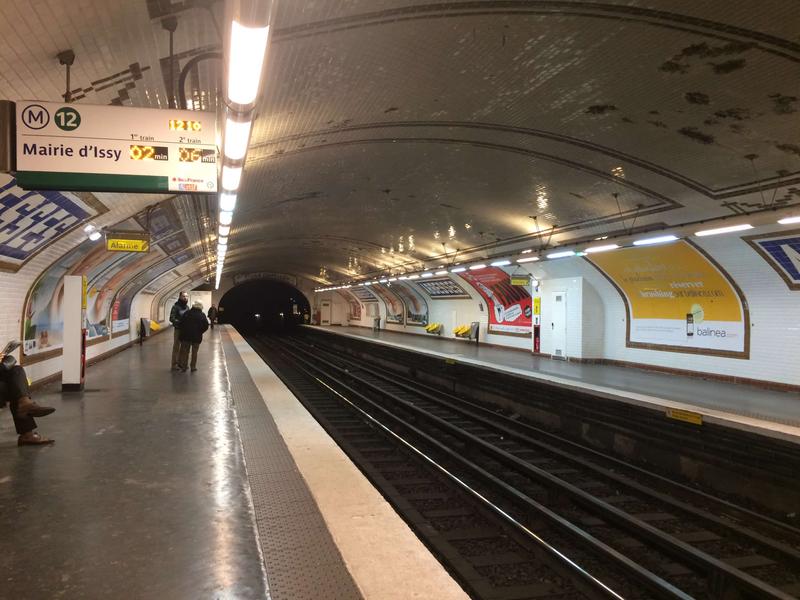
pixel 628 532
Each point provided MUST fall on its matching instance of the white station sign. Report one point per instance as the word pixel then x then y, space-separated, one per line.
pixel 115 148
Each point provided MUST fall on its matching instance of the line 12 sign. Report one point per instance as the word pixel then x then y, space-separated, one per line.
pixel 115 148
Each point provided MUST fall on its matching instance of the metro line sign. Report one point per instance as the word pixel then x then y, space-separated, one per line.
pixel 76 147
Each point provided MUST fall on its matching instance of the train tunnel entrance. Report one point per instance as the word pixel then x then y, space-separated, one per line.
pixel 264 307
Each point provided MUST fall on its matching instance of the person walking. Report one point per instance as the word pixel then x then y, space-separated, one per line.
pixel 175 315
pixel 193 325
pixel 212 315
pixel 14 390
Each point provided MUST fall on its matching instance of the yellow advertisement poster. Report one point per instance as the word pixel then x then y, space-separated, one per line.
pixel 677 299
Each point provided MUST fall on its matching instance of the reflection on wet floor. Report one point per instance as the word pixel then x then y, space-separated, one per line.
pixel 144 494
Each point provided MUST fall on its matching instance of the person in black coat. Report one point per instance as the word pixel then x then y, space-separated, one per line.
pixel 193 325
pixel 180 308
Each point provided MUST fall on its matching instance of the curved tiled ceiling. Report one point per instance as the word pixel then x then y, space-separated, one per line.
pixel 397 133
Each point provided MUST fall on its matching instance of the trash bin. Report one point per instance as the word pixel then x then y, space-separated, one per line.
pixel 376 323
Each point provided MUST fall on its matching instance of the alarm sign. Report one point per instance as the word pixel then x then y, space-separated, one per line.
pixel 77 147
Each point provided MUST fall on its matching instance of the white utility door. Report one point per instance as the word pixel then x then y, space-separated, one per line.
pixel 325 313
pixel 558 324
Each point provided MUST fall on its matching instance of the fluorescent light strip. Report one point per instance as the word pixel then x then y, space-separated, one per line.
pixel 227 202
pixel 224 230
pixel 719 230
pixel 458 270
pixel 477 267
pixel 426 275
pixel 501 263
pixel 563 254
pixel 661 239
pixel 225 217
pixel 528 251
pixel 247 51
pixel 237 134
pixel 604 248
pixel 231 178
pixel 527 260
pixel 441 273
pixel 789 220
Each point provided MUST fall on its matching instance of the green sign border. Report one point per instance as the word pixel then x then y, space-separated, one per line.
pixel 93 182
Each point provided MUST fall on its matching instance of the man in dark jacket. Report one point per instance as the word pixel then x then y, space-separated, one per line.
pixel 175 316
pixel 193 325
pixel 212 315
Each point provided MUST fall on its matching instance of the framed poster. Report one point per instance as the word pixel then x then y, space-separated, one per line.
pixel 443 288
pixel 395 311
pixel 677 299
pixel 416 306
pixel 510 306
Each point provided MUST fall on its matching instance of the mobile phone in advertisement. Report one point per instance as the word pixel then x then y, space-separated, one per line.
pixel 689 324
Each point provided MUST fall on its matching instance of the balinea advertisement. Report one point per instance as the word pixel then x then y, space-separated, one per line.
pixel 677 299
pixel 509 305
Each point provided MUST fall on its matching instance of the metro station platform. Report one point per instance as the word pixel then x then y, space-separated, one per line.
pixel 749 408
pixel 214 484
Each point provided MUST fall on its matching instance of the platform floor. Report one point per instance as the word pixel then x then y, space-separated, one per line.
pixel 751 408
pixel 180 485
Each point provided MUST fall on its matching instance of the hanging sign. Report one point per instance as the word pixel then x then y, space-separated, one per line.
pixel 521 280
pixel 127 241
pixel 80 147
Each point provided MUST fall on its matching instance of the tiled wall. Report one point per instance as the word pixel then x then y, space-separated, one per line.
pixel 596 318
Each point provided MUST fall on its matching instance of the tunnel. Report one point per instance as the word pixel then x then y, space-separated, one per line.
pixel 264 307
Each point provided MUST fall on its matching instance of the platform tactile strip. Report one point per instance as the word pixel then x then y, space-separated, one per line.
pixel 301 559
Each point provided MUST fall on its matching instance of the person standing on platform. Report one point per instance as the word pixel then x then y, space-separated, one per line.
pixel 14 390
pixel 175 315
pixel 212 315
pixel 193 325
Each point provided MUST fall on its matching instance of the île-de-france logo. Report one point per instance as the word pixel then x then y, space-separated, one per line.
pixel 36 116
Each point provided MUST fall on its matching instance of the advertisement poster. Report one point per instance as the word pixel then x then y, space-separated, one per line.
pixel 31 220
pixel 443 288
pixel 677 299
pixel 44 321
pixel 782 253
pixel 416 306
pixel 394 306
pixel 353 303
pixel 509 305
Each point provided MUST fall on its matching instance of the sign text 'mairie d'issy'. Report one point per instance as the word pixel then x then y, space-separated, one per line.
pixel 62 150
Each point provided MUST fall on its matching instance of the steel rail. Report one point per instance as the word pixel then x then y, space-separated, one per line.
pixel 653 582
pixel 451 402
pixel 716 570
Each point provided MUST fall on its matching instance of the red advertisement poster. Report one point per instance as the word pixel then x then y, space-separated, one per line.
pixel 509 305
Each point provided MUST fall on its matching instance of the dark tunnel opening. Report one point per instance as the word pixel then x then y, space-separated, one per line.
pixel 264 307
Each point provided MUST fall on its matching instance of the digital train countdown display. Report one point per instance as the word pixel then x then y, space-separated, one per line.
pixel 78 147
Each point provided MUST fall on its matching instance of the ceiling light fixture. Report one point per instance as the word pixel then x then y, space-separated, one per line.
pixel 661 239
pixel 458 270
pixel 604 248
pixel 528 251
pixel 477 267
pixel 441 272
pixel 95 235
pixel 227 202
pixel 719 230
pixel 237 135
pixel 89 228
pixel 501 263
pixel 247 51
pixel 426 275
pixel 225 217
pixel 527 260
pixel 231 177
pixel 789 220
pixel 224 230
pixel 413 276
pixel 563 254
